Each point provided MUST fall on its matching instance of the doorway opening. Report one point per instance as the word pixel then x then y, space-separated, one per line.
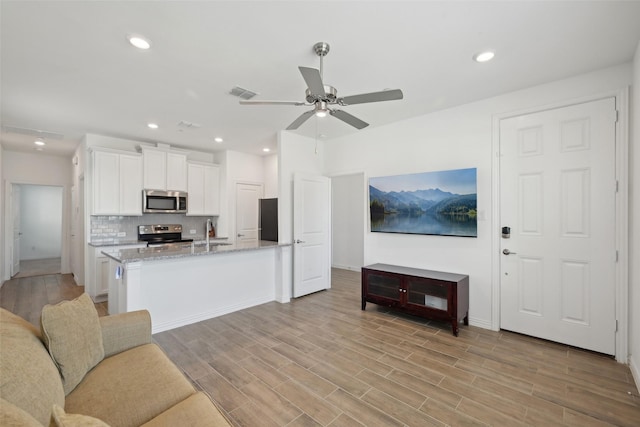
pixel 348 196
pixel 37 212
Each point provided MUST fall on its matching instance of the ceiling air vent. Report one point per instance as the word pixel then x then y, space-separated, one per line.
pixel 188 125
pixel 243 93
pixel 33 132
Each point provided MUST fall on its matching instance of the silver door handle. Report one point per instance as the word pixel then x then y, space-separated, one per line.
pixel 508 252
pixel 299 241
pixel 240 235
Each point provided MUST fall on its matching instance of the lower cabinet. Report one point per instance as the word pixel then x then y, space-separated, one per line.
pixel 426 293
pixel 102 277
pixel 97 282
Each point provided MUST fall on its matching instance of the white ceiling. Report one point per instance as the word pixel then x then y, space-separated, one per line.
pixel 68 69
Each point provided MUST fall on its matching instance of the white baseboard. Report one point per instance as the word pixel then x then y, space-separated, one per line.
pixel 635 371
pixel 480 323
pixel 346 267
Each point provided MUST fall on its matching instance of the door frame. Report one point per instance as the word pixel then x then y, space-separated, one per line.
pixel 64 244
pixel 622 210
pixel 235 202
pixel 364 212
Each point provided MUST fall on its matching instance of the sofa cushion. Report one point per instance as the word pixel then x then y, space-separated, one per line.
pixel 130 388
pixel 12 416
pixel 72 334
pixel 59 418
pixel 195 411
pixel 28 377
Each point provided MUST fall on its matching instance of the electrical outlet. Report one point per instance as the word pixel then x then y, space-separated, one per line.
pixel 192 231
pixel 122 233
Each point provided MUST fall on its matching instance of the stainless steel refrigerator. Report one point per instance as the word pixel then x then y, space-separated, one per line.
pixel 268 220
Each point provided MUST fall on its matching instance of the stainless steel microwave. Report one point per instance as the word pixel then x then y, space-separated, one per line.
pixel 158 201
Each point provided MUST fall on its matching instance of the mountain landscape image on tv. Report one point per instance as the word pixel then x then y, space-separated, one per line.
pixel 437 203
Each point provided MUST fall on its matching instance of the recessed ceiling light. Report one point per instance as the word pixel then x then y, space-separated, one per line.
pixel 218 139
pixel 484 56
pixel 139 41
pixel 39 142
pixel 266 150
pixel 152 125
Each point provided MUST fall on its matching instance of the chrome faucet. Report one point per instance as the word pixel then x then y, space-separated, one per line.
pixel 208 229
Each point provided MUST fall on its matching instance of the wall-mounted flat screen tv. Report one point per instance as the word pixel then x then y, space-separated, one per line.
pixel 438 203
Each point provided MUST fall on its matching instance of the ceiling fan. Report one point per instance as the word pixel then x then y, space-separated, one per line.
pixel 321 96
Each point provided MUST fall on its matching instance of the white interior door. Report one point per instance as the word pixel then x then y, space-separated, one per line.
pixel 15 219
pixel 557 195
pixel 247 206
pixel 311 234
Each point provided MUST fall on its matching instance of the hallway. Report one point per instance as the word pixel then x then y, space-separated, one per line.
pixel 39 267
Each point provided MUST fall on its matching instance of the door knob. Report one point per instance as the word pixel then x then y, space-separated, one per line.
pixel 508 252
pixel 240 235
pixel 299 241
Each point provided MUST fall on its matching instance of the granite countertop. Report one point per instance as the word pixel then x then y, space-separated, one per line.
pixel 157 254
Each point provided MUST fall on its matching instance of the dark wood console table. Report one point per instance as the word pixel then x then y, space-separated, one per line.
pixel 425 293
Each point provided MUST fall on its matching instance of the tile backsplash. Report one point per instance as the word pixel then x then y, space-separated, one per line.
pixel 105 229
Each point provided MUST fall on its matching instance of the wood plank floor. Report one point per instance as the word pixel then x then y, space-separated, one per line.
pixel 39 267
pixel 321 361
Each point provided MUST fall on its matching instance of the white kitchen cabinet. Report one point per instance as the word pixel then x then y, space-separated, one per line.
pixel 176 171
pixel 203 188
pixel 155 169
pixel 130 184
pixel 164 170
pixel 117 183
pixel 102 277
pixel 97 281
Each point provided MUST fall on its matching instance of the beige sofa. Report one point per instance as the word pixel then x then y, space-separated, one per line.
pixel 132 384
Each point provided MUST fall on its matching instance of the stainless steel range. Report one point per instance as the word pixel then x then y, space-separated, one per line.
pixel 162 235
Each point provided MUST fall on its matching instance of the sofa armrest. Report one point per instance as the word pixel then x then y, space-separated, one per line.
pixel 123 331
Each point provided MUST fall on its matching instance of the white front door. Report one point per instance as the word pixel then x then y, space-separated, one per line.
pixel 15 217
pixel 311 234
pixel 557 195
pixel 247 206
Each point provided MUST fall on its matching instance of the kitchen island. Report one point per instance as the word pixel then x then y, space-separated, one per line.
pixel 184 285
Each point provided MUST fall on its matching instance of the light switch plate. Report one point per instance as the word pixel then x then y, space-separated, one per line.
pixel 122 233
pixel 192 231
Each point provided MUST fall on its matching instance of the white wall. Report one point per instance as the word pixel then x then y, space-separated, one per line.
pixel 460 137
pixel 42 169
pixel 270 165
pixel 40 221
pixel 347 221
pixel 3 232
pixel 634 219
pixel 295 154
pixel 238 168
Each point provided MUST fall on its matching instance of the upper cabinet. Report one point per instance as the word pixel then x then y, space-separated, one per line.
pixel 164 170
pixel 117 183
pixel 204 189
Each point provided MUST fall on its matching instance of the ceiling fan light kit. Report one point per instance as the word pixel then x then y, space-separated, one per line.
pixel 320 96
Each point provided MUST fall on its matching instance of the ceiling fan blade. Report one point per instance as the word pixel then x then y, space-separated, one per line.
pixel 385 95
pixel 349 119
pixel 300 120
pixel 271 103
pixel 314 81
